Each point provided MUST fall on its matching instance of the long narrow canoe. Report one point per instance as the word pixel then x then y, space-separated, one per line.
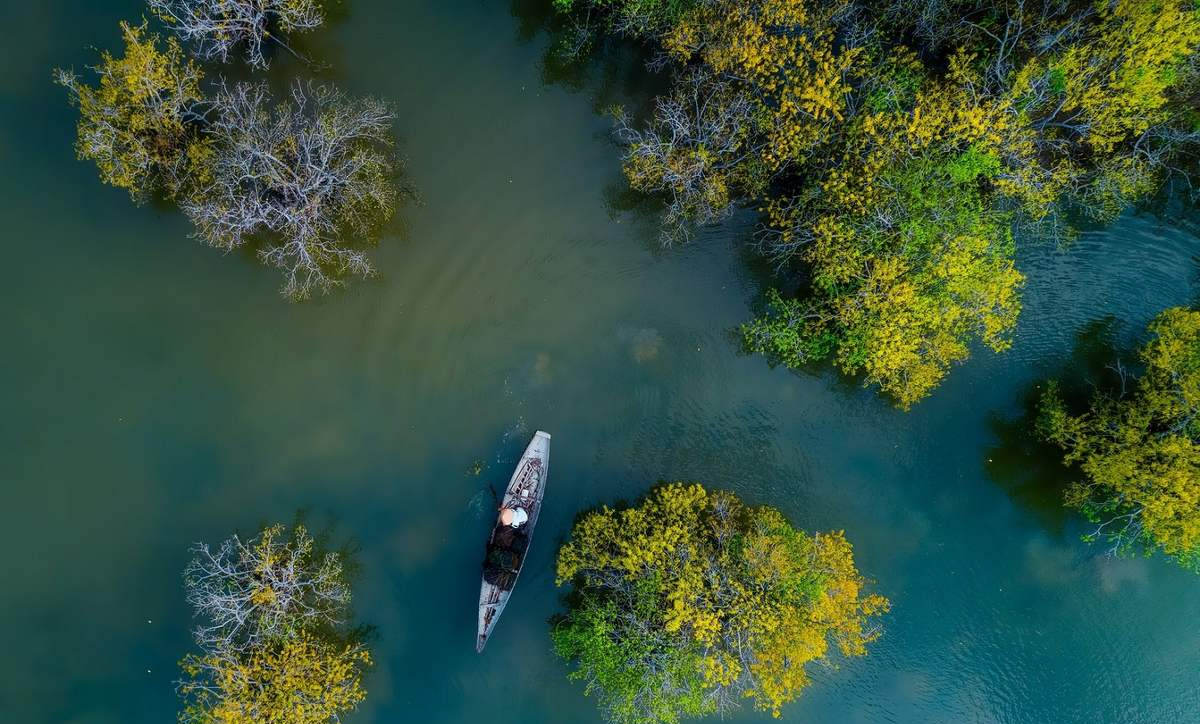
pixel 525 490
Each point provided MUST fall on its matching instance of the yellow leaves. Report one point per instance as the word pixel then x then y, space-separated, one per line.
pixel 1138 452
pixel 132 123
pixel 914 322
pixel 688 611
pixel 264 597
pixel 636 539
pixel 681 40
pixel 200 155
pixel 1112 85
pixel 785 52
pixel 753 598
pixel 301 681
pixel 721 669
pixel 779 668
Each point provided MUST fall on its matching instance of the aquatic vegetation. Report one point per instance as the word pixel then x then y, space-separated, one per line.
pixel 311 174
pixel 140 123
pixel 1138 447
pixel 692 601
pixel 891 145
pixel 301 680
pixel 216 28
pixel 250 592
pixel 307 180
pixel 273 638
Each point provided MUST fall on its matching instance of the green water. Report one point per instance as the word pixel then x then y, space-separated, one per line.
pixel 156 393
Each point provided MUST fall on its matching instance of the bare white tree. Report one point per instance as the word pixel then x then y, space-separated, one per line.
pixel 217 28
pixel 692 151
pixel 309 176
pixel 247 593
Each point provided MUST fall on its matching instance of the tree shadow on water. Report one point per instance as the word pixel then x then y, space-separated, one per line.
pixel 611 70
pixel 328 539
pixel 1031 470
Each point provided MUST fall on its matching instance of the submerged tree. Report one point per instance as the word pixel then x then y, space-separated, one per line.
pixel 312 177
pixel 274 641
pixel 909 261
pixel 247 593
pixel 141 124
pixel 692 601
pixel 891 146
pixel 1138 447
pixel 217 28
pixel 298 680
pixel 693 152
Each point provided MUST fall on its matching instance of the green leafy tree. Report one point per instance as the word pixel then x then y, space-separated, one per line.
pixel 909 261
pixel 1138 448
pixel 141 124
pixel 892 145
pixel 692 601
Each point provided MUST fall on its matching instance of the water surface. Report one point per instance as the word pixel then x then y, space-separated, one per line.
pixel 156 393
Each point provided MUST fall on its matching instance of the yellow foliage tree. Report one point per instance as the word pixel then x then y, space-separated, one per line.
pixel 785 52
pixel 1139 453
pixel 1097 103
pixel 140 124
pixel 274 637
pixel 890 177
pixel 301 680
pixel 909 262
pixel 692 601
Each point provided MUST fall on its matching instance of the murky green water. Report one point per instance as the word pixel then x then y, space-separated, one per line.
pixel 155 393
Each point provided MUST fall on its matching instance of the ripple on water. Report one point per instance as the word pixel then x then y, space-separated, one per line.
pixel 1131 270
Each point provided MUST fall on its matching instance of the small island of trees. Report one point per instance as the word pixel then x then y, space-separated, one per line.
pixel 1137 447
pixel 307 180
pixel 274 633
pixel 693 601
pixel 892 146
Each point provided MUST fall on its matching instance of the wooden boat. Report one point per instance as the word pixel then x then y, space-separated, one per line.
pixel 525 490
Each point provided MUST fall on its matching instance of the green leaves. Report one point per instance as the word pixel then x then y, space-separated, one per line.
pixel 1138 449
pixel 891 151
pixel 973 164
pixel 691 602
pixel 637 681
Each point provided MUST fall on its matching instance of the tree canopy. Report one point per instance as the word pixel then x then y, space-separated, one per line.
pixel 311 176
pixel 274 637
pixel 692 601
pixel 140 124
pixel 308 180
pixel 217 28
pixel 891 146
pixel 1138 447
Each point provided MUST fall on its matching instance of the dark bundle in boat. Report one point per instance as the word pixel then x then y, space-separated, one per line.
pixel 505 552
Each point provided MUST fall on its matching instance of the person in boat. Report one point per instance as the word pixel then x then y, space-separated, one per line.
pixel 510 533
pixel 513 517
